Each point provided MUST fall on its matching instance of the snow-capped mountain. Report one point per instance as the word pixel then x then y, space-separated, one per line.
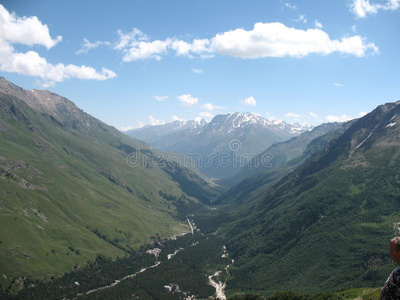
pixel 252 133
pixel 151 131
pixel 232 121
pixel 194 124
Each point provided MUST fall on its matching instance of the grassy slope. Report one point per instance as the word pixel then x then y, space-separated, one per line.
pixel 279 154
pixel 255 185
pixel 67 195
pixel 327 224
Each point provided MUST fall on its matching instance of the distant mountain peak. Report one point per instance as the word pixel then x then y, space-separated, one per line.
pixel 196 123
pixel 254 133
pixel 233 121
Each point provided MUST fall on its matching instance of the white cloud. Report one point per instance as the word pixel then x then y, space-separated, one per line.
pixel 197 71
pixel 291 6
pixel 126 39
pixel 160 98
pixel 26 30
pixel 270 116
pixel 45 84
pixel 153 121
pixel 146 50
pixel 354 28
pixel 87 46
pixel 30 31
pixel 301 19
pixel 313 115
pixel 292 115
pixel 136 45
pixel 344 117
pixel 264 40
pixel 211 107
pixel 277 40
pixel 206 115
pixel 250 101
pixel 30 63
pixel 176 118
pixel 318 24
pixel 338 84
pixel 183 48
pixel 361 8
pixel 341 118
pixel 188 100
pixel 127 128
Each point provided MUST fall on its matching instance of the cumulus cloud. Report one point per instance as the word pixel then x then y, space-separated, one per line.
pixel 344 117
pixel 176 118
pixel 338 84
pixel 136 45
pixel 206 115
pixel 160 98
pixel 30 63
pixel 197 71
pixel 318 24
pixel 292 115
pixel 250 101
pixel 271 117
pixel 264 40
pixel 30 31
pixel 153 121
pixel 277 40
pixel 26 30
pixel 127 128
pixel 183 48
pixel 361 8
pixel 87 46
pixel 211 107
pixel 313 115
pixel 188 100
pixel 45 84
pixel 341 118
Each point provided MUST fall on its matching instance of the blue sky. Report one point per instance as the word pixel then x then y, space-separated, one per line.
pixel 305 61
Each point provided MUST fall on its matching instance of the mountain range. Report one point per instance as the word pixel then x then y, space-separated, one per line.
pixel 235 137
pixel 327 224
pixel 74 190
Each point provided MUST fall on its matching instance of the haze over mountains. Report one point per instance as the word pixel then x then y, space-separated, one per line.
pixel 237 136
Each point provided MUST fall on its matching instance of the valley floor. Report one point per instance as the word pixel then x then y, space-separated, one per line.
pixel 191 265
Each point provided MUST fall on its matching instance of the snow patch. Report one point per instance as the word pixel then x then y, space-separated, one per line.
pixel 367 137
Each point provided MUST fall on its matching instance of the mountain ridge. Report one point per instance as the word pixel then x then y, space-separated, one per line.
pixel 340 204
pixel 65 183
pixel 250 134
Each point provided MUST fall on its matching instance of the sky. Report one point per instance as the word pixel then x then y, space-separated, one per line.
pixel 132 63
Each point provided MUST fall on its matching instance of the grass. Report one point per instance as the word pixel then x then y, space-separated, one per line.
pixel 81 194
